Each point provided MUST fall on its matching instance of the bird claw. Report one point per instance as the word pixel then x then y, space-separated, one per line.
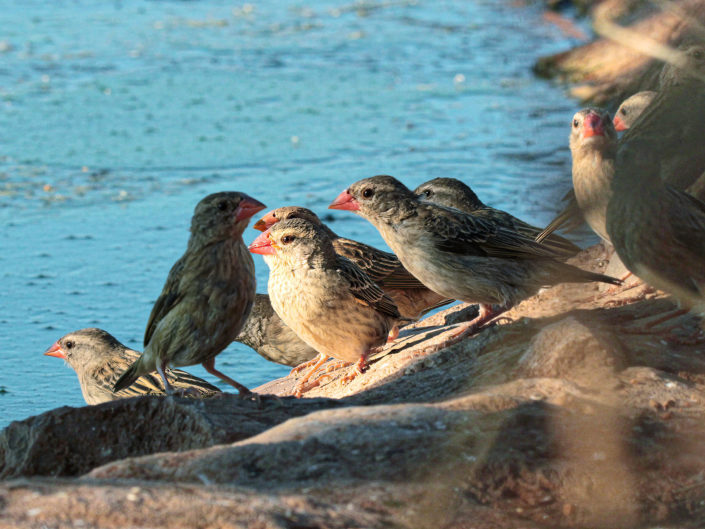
pixel 304 365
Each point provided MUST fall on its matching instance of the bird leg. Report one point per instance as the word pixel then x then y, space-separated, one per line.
pixel 308 363
pixel 359 369
pixel 161 369
pixel 486 314
pixel 209 365
pixel 299 388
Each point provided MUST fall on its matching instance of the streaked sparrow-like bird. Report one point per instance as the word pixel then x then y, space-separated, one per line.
pixel 207 295
pixel 326 299
pixel 457 254
pixel 99 359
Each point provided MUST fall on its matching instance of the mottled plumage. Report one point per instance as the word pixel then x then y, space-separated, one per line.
pixel 457 254
pixel 411 297
pixel 453 193
pixel 325 298
pixel 207 295
pixel 99 359
pixel 267 334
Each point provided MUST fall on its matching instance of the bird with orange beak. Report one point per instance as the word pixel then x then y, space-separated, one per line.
pixel 207 296
pixel 593 147
pixel 631 108
pixel 324 298
pixel 457 254
pixel 411 297
pixel 98 359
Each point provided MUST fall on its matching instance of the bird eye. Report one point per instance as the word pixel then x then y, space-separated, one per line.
pixel 428 193
pixel 287 239
pixel 69 344
pixel 222 205
pixel 697 54
pixel 623 111
pixel 576 123
pixel 368 193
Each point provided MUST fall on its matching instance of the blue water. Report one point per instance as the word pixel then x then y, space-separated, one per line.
pixel 116 118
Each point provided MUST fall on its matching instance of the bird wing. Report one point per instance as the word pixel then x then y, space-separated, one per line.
pixel 167 300
pixel 466 234
pixel 688 221
pixel 364 289
pixel 382 267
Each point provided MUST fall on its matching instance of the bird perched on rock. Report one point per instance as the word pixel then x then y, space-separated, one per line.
pixel 453 193
pixel 326 299
pixel 457 254
pixel 410 296
pixel 207 295
pixel 657 230
pixel 267 334
pixel 593 146
pixel 631 108
pixel 99 359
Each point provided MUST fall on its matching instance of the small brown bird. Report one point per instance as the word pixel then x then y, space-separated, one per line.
pixel 326 299
pixel 207 295
pixel 453 193
pixel 631 108
pixel 99 359
pixel 410 296
pixel 593 146
pixel 457 254
pixel 267 334
pixel 657 230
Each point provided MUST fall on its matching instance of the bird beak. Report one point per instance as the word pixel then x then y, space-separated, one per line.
pixel 593 126
pixel 263 245
pixel 345 201
pixel 265 222
pixel 619 124
pixel 55 350
pixel 248 206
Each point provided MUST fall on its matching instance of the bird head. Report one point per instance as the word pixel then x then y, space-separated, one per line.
pixel 223 215
pixel 378 197
pixel 589 126
pixel 449 192
pixel 293 241
pixel 631 108
pixel 84 346
pixel 287 212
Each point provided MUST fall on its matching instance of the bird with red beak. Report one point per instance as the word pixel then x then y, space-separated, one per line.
pixel 410 296
pixel 207 296
pixel 631 108
pixel 457 254
pixel 324 298
pixel 98 359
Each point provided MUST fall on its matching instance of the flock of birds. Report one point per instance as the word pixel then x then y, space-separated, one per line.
pixel 329 296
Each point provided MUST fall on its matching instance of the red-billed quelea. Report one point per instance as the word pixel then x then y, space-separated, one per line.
pixel 410 296
pixel 657 230
pixel 593 146
pixel 207 295
pixel 453 193
pixel 631 108
pixel 457 254
pixel 326 299
pixel 99 359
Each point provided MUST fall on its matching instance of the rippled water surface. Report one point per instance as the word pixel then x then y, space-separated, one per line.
pixel 116 118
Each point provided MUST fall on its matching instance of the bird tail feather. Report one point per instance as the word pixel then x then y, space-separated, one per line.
pixel 128 378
